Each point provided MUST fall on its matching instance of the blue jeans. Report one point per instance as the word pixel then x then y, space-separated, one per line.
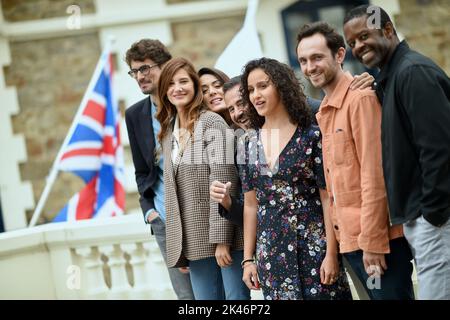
pixel 396 282
pixel 181 283
pixel 211 282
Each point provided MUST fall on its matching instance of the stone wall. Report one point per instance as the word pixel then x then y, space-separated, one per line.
pixel 426 26
pixel 203 41
pixel 24 10
pixel 51 77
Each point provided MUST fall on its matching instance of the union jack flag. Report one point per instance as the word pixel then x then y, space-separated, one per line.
pixel 94 152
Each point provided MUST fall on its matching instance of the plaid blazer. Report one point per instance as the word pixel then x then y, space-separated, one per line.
pixel 193 225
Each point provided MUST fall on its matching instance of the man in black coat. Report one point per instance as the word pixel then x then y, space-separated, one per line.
pixel 145 59
pixel 415 97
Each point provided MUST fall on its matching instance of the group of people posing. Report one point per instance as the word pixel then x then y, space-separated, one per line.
pixel 248 184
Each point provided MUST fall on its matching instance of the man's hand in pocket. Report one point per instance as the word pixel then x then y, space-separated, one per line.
pixel 152 216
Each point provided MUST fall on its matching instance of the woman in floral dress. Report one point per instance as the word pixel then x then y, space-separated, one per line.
pixel 282 178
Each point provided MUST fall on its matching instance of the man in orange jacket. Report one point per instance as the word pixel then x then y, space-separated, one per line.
pixel 350 124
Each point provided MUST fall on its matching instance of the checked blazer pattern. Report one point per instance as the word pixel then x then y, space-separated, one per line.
pixel 193 225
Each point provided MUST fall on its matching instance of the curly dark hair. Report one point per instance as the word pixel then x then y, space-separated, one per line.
pixel 287 86
pixel 148 49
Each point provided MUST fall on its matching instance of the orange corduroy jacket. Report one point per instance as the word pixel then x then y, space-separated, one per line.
pixel 350 122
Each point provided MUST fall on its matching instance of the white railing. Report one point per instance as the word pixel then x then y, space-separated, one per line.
pixel 114 258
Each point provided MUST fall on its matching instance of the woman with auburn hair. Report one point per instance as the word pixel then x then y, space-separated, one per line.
pixel 197 149
pixel 286 248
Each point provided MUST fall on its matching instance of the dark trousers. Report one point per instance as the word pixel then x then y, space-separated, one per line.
pixel 396 282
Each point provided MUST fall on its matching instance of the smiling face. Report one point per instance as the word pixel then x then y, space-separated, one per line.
pixel 263 93
pixel 317 61
pixel 370 46
pixel 213 93
pixel 236 108
pixel 181 89
pixel 147 83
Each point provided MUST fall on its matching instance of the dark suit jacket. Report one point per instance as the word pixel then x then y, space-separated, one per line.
pixel 142 142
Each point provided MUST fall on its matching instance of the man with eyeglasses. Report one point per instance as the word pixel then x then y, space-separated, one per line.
pixel 146 59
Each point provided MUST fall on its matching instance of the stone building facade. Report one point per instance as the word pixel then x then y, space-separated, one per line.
pixel 426 26
pixel 50 76
pixel 50 73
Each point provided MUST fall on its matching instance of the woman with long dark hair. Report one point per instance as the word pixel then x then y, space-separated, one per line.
pixel 212 81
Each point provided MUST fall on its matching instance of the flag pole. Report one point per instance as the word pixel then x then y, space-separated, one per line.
pixel 244 46
pixel 54 169
pixel 250 15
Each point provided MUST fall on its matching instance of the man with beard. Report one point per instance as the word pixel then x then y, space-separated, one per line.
pixel 350 124
pixel 415 97
pixel 146 59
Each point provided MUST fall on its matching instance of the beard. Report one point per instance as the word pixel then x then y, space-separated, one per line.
pixel 149 89
pixel 323 81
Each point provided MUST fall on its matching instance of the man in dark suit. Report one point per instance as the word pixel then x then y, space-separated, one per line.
pixel 146 59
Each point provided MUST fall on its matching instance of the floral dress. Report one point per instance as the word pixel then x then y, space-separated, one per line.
pixel 291 243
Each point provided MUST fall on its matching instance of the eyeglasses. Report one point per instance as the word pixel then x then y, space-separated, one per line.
pixel 145 69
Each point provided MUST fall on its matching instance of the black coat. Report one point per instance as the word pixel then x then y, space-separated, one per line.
pixel 142 142
pixel 415 97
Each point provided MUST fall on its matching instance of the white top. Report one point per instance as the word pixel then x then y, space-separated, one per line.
pixel 181 139
pixel 176 140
